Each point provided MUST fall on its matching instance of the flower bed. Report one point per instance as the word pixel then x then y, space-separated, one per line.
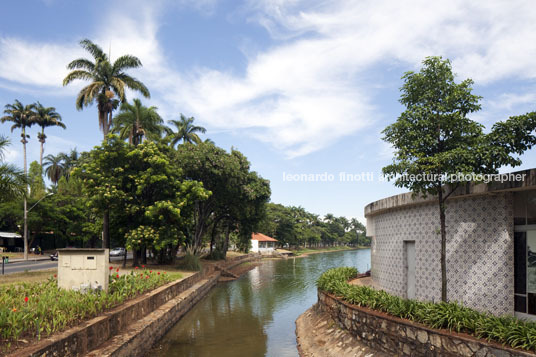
pixel 452 316
pixel 34 310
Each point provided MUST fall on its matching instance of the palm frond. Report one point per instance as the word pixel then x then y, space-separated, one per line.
pixel 82 63
pixel 78 74
pixel 135 84
pixel 12 182
pixel 93 48
pixel 126 62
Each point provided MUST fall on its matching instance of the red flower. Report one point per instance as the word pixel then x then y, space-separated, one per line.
pixel 117 276
pixel 111 268
pixel 150 271
pixel 55 275
pixel 143 266
pixel 164 272
pixel 136 268
pixel 26 299
pixel 158 273
pixel 117 270
pixel 14 309
pixel 147 277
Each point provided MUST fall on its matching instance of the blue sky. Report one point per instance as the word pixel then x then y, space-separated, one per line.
pixel 300 87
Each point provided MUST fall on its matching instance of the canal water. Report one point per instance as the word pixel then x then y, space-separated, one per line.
pixel 255 315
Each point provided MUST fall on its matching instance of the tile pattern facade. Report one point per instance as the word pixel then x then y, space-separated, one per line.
pixel 480 263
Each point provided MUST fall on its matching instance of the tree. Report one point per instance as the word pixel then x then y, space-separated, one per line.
pixel 144 189
pixel 46 117
pixel 12 181
pixel 237 198
pixel 136 121
pixel 185 131
pixel 54 168
pixel 107 81
pixel 69 161
pixel 37 185
pixel 435 139
pixel 22 117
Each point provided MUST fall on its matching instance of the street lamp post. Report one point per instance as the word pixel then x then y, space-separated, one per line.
pixel 26 222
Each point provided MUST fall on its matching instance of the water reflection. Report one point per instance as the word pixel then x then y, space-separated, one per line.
pixel 254 315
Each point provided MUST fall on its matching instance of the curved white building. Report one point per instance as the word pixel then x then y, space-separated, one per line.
pixel 491 246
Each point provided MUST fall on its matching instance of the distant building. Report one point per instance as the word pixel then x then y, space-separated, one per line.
pixel 491 246
pixel 261 243
pixel 10 242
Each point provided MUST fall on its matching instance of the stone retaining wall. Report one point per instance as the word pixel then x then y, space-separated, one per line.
pixel 91 334
pixel 404 338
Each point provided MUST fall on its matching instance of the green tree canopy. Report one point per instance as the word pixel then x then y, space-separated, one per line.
pixel 434 137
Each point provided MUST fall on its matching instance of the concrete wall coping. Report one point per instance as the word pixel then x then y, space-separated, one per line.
pixel 465 190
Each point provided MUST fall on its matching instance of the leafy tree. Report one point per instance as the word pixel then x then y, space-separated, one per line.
pixel 136 121
pixel 37 185
pixel 434 138
pixel 185 131
pixel 107 81
pixel 237 198
pixel 144 190
pixel 46 117
pixel 158 200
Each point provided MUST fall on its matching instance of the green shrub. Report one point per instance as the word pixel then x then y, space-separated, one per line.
pixel 190 262
pixel 453 316
pixel 40 309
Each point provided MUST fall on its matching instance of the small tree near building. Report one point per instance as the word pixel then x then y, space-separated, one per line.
pixel 433 138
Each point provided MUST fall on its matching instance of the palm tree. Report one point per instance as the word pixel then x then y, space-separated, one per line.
pixel 69 162
pixel 45 117
pixel 329 217
pixel 186 131
pixel 54 167
pixel 13 182
pixel 136 121
pixel 107 81
pixel 22 116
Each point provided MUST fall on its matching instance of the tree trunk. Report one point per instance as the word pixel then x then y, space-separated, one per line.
pixel 226 242
pixel 144 254
pixel 106 229
pixel 135 258
pixel 41 154
pixel 25 232
pixel 125 258
pixel 443 247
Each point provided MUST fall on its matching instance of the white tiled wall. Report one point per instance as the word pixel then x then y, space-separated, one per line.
pixel 480 268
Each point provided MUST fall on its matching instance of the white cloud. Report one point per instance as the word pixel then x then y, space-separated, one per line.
pixel 37 64
pixel 313 85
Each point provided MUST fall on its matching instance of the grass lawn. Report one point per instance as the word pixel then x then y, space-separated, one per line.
pixel 27 277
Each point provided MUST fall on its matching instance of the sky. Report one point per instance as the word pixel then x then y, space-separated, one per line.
pixel 300 87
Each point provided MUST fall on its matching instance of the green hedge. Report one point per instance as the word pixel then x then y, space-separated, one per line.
pixel 453 316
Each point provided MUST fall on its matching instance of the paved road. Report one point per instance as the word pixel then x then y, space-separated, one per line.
pixel 30 265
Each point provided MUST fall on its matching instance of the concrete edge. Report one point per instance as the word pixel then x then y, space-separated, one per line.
pixel 90 334
pixel 465 190
pixel 142 335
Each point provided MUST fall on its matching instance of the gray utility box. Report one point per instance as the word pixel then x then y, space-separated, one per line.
pixel 83 268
